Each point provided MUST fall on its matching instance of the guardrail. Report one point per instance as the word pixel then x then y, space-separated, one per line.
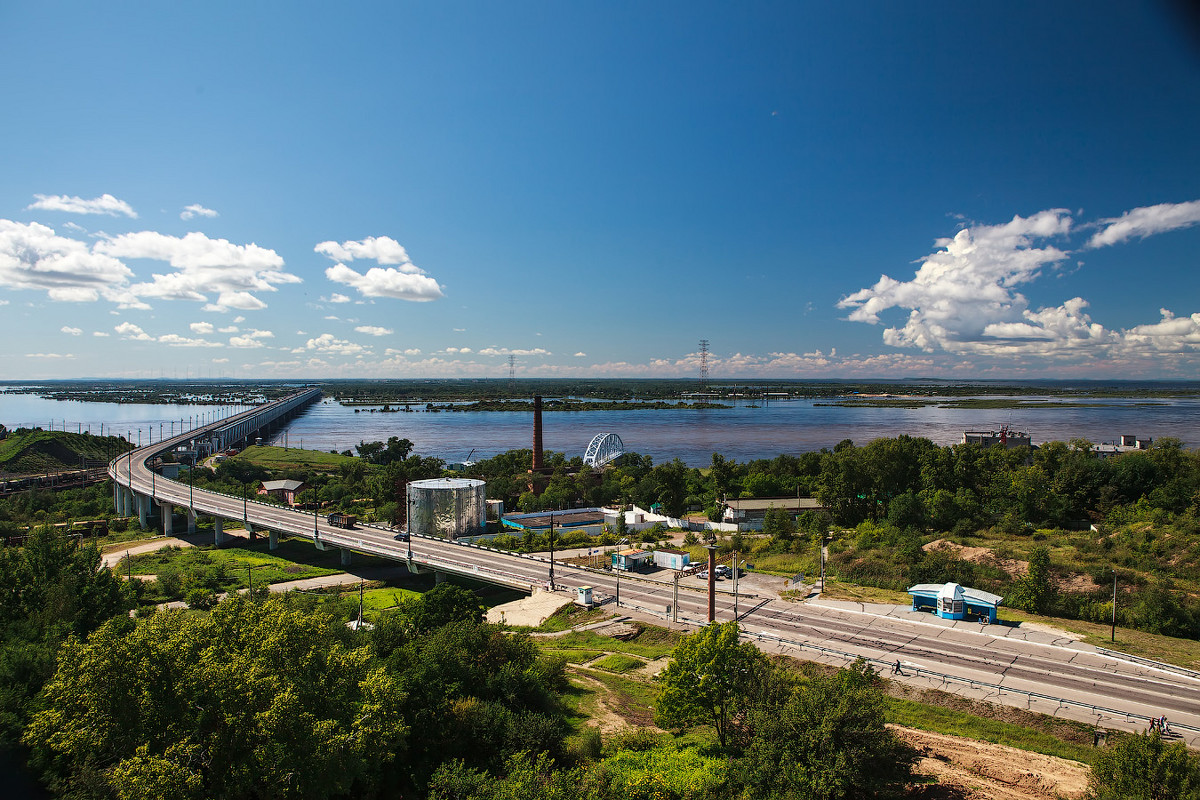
pixel 1189 673
pixel 947 679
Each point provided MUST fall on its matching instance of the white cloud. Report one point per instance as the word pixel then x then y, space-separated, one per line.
pixel 70 330
pixel 382 250
pixel 101 334
pixel 220 361
pixel 408 353
pixel 201 327
pixel 390 282
pixel 104 204
pixel 196 210
pixel 49 355
pixel 374 330
pixel 458 350
pixel 504 351
pixel 327 343
pixel 1146 221
pixel 962 299
pixel 229 329
pixel 244 341
pixel 581 355
pixel 128 330
pixel 402 279
pixel 336 298
pixel 331 317
pixel 203 266
pixel 33 256
pixel 175 340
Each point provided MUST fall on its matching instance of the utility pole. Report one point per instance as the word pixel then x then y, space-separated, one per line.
pixel 1114 608
pixel 735 580
pixel 675 599
pixel 712 582
pixel 552 551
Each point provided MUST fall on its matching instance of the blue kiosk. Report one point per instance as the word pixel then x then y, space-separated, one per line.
pixel 952 601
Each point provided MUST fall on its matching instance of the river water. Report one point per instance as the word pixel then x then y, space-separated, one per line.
pixel 741 433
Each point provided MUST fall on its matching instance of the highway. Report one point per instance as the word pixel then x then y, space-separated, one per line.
pixel 998 663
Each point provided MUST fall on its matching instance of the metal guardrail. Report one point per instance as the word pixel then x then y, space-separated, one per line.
pixel 945 679
pixel 1189 673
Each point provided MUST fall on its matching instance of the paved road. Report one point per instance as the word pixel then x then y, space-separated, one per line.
pixel 1085 683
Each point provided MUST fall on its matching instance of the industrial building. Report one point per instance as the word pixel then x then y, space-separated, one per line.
pixel 1003 437
pixel 952 601
pixel 449 508
pixel 284 490
pixel 749 514
pixel 588 520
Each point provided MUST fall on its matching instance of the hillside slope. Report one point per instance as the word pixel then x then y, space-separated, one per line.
pixel 35 451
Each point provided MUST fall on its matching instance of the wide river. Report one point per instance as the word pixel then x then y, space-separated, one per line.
pixel 741 433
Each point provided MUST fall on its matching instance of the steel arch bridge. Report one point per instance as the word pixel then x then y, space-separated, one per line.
pixel 604 448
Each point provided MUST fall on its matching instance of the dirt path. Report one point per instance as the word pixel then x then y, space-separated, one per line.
pixel 973 770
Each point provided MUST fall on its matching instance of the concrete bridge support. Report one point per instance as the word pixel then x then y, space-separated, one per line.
pixel 219 535
pixel 439 577
pixel 253 534
pixel 272 540
pixel 143 510
pixel 191 520
pixel 346 555
pixel 167 512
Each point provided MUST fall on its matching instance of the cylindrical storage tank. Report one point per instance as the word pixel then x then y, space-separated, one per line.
pixel 447 507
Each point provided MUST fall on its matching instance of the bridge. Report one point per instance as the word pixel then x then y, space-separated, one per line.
pixel 603 449
pixel 1000 663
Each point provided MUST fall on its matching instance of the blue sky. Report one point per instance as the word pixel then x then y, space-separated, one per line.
pixel 412 190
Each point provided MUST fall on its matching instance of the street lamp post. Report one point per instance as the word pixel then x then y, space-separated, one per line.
pixel 408 524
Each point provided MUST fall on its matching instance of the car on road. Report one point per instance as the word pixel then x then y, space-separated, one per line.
pixel 402 537
pixel 723 571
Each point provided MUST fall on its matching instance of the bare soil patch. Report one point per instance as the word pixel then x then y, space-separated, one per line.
pixel 973 770
pixel 981 555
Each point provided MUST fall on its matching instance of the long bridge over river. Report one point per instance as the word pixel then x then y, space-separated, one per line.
pixel 1001 663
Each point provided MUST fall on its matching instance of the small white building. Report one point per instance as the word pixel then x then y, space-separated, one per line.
pixel 671 559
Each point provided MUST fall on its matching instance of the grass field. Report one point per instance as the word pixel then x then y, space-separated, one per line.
pixel 279 458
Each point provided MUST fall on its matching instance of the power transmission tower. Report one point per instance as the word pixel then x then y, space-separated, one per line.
pixel 512 372
pixel 703 364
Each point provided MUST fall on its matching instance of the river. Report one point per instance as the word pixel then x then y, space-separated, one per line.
pixel 741 433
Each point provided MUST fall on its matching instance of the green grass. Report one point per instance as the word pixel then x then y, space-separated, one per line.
pixel 570 616
pixel 278 458
pixel 630 698
pixel 619 663
pixel 267 568
pixel 573 656
pixel 650 643
pixel 378 600
pixel 950 722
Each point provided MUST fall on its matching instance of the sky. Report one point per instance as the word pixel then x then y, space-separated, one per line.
pixel 819 190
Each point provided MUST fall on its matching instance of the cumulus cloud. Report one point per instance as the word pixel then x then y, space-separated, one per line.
pixel 328 344
pixel 70 330
pixel 336 298
pixel 250 339
pixel 49 355
pixel 963 298
pixel 580 354
pixel 374 330
pixel 504 351
pixel 407 353
pixel 104 204
pixel 127 330
pixel 201 327
pixel 100 334
pixel 203 266
pixel 401 279
pixel 33 256
pixel 382 250
pixel 196 210
pixel 458 350
pixel 1146 221
pixel 175 340
pixel 390 282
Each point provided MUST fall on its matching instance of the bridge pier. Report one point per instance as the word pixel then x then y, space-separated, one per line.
pixel 346 555
pixel 272 540
pixel 219 535
pixel 439 577
pixel 191 520
pixel 143 510
pixel 167 512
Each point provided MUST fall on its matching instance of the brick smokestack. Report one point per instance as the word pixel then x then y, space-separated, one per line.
pixel 537 432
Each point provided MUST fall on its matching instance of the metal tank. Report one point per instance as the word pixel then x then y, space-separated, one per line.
pixel 447 507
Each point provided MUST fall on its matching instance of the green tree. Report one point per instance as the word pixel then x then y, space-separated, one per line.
pixel 444 604
pixel 828 740
pixel 1144 767
pixel 259 699
pixel 711 674
pixel 1035 591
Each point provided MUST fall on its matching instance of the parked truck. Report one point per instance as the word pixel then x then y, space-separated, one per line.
pixel 340 520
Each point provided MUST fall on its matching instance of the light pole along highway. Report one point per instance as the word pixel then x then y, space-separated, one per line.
pixel 1004 663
